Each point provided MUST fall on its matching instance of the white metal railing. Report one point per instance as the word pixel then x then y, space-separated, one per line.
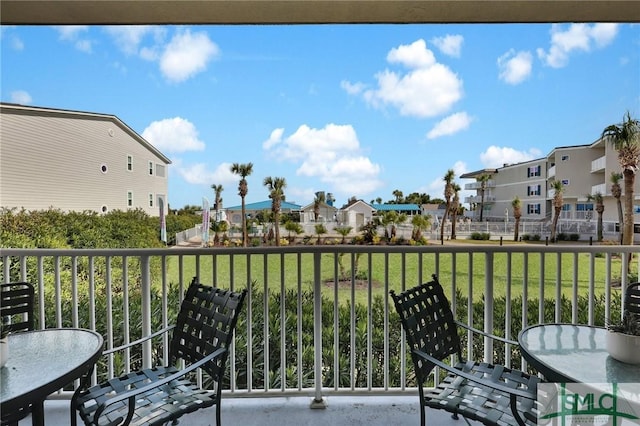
pixel 551 172
pixel 602 189
pixel 478 185
pixel 81 287
pixel 599 164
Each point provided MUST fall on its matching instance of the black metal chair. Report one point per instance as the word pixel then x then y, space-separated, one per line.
pixel 17 313
pixel 17 304
pixel 488 393
pixel 201 337
pixel 632 299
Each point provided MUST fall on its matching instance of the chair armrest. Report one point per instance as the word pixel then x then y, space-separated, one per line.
pixel 484 333
pixel 137 342
pixel 130 395
pixel 471 377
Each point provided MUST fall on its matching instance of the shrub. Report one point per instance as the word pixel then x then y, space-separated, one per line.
pixel 574 237
pixel 526 237
pixel 535 237
pixel 480 236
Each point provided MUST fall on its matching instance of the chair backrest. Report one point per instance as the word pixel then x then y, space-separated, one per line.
pixel 632 299
pixel 16 306
pixel 428 323
pixel 206 321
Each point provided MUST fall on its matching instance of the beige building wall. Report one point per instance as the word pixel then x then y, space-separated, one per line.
pixel 76 161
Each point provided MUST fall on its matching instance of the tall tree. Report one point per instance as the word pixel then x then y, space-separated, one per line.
pixel 483 179
pixel 558 189
pixel 217 204
pixel 599 200
pixel 398 196
pixel 616 191
pixel 420 223
pixel 243 170
pixel 317 202
pixel 455 209
pixel 516 204
pixel 625 138
pixel 276 187
pixel 448 193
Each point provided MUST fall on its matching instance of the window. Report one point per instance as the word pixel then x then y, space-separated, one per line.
pixel 565 158
pixel 533 208
pixel 533 171
pixel 104 168
pixel 533 190
pixel 129 163
pixel 565 182
pixel 150 168
pixel 150 200
pixel 129 198
pixel 160 170
pixel 566 207
pixel 581 207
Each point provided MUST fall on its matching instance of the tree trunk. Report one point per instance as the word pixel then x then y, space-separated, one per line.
pixel 554 224
pixel 629 178
pixel 516 231
pixel 620 219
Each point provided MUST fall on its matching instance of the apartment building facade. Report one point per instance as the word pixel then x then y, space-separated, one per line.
pixel 584 170
pixel 77 161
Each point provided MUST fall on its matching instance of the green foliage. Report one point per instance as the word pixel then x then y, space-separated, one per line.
pixel 480 236
pixel 184 219
pixel 56 229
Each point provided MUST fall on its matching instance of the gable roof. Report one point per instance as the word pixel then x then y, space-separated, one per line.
pixel 43 111
pixel 322 206
pixel 396 207
pixel 266 205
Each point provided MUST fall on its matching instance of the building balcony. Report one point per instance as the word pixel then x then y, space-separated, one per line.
pixel 601 188
pixel 599 164
pixel 318 289
pixel 478 199
pixel 551 172
pixel 478 185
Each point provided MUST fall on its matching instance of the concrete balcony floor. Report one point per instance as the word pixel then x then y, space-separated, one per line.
pixel 290 411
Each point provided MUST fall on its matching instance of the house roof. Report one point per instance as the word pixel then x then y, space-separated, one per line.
pixel 396 207
pixel 322 206
pixel 23 109
pixel 266 205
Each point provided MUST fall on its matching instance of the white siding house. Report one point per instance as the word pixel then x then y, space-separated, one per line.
pixel 77 161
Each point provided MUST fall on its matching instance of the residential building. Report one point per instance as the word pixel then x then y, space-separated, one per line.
pixel 326 213
pixel 234 214
pixel 77 161
pixel 584 170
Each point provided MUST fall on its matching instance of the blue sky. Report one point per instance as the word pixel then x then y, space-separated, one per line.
pixel 354 110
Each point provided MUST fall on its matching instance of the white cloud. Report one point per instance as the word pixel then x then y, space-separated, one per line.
pixel 427 90
pixel 450 125
pixel 515 67
pixel 173 135
pixel 21 97
pixel 352 88
pixel 450 45
pixel 129 38
pixel 198 174
pixel 74 34
pixel 496 156
pixel 577 37
pixel 331 154
pixel 186 55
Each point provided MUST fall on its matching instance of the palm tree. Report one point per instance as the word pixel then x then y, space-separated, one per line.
pixel 558 188
pixel 517 214
pixel 597 197
pixel 483 179
pixel 398 194
pixel 217 205
pixel 455 208
pixel 448 193
pixel 379 200
pixel 616 191
pixel 294 227
pixel 344 231
pixel 243 170
pixel 317 201
pixel 420 223
pixel 320 230
pixel 625 138
pixel 276 193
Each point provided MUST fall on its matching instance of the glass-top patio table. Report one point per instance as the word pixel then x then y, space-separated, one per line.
pixel 566 353
pixel 42 362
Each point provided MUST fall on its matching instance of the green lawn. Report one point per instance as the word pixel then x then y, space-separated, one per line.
pixel 399 270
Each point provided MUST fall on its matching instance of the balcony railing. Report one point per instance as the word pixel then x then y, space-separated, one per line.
pixel 599 164
pixel 352 336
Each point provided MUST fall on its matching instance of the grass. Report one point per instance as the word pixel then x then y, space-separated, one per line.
pixel 273 272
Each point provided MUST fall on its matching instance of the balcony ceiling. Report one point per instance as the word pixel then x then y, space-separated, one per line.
pixel 314 11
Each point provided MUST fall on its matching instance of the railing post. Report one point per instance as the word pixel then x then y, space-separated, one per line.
pixel 145 294
pixel 318 401
pixel 488 306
